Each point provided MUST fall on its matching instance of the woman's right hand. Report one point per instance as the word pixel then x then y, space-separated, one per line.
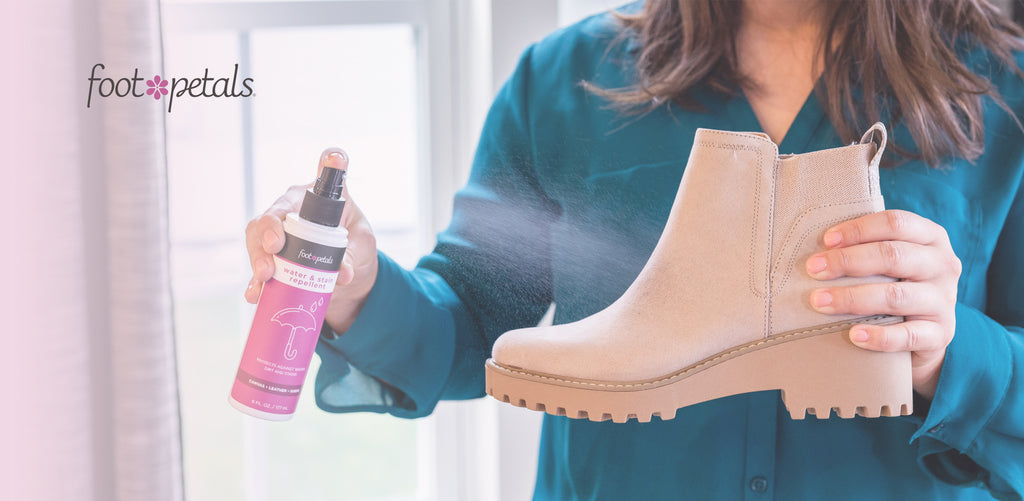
pixel 264 237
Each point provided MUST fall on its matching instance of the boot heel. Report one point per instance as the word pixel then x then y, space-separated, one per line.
pixel 833 374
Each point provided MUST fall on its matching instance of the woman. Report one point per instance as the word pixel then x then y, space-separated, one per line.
pixel 574 176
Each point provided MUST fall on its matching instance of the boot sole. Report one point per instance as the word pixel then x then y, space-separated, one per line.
pixel 818 370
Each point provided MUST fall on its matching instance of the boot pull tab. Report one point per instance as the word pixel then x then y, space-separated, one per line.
pixel 876 131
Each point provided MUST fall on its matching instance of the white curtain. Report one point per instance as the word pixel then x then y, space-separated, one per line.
pixel 88 392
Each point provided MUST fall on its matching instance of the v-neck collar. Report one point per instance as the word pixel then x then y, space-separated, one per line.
pixel 801 131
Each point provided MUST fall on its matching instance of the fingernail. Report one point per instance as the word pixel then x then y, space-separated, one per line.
pixel 832 238
pixel 334 157
pixel 816 264
pixel 859 335
pixel 269 238
pixel 822 300
pixel 250 290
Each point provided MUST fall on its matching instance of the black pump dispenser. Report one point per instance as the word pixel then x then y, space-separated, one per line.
pixel 323 203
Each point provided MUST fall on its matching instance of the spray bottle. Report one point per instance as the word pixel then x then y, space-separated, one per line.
pixel 293 303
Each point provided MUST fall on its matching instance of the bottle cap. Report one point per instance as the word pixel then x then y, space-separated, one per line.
pixel 323 203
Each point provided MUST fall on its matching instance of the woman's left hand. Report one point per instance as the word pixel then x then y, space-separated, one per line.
pixel 902 245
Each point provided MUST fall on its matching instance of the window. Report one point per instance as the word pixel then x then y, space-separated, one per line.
pixel 354 86
pixel 402 86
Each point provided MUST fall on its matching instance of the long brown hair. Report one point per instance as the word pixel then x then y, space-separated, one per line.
pixel 902 56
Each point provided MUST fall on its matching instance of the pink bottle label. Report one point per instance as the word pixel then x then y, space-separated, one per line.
pixel 286 327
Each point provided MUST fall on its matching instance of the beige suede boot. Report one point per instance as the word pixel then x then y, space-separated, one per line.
pixel 722 307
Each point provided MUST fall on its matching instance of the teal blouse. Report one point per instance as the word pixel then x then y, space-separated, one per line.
pixel 565 203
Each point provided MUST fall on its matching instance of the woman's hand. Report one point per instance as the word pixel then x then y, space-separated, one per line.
pixel 902 245
pixel 264 237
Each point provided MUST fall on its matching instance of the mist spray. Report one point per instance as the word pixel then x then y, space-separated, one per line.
pixel 291 307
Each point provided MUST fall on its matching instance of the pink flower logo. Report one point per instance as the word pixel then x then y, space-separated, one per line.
pixel 156 88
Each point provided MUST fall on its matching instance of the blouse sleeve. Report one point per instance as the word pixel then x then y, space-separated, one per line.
pixel 974 429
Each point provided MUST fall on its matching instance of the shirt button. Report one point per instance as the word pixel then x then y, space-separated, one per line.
pixel 759 484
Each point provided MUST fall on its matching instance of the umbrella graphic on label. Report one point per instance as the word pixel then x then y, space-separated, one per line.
pixel 296 318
